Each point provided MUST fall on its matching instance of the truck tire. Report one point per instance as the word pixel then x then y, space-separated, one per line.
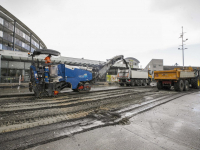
pixel 186 86
pixel 144 83
pixel 179 85
pixel 148 81
pixel 140 82
pixel 159 85
pixel 132 83
pixel 136 82
pixel 195 83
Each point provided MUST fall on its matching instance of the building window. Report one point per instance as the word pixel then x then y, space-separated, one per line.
pixel 27 37
pixel 27 47
pixel 10 26
pixel 16 49
pixel 7 36
pixel 19 32
pixel 1 21
pixel 23 34
pixel 32 50
pixel 5 23
pixel 4 64
pixel 16 65
pixel 27 76
pixel 27 65
pixel 1 33
pixel 12 70
pixel 37 45
pixel 154 65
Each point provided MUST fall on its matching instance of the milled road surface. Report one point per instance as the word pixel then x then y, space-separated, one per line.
pixel 171 126
pixel 27 122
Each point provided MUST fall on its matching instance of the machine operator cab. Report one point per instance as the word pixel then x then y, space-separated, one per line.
pixel 40 73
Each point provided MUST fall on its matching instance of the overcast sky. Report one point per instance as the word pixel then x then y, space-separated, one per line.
pixel 101 29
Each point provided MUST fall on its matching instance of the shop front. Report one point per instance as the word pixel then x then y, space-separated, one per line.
pixel 13 71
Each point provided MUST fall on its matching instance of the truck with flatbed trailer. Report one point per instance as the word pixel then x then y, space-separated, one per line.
pixel 180 79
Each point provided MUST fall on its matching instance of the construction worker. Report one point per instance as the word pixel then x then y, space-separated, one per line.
pixel 48 59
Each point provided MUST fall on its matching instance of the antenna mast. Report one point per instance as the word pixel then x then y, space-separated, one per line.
pixel 181 36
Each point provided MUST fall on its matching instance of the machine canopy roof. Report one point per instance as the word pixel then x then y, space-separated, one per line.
pixel 46 51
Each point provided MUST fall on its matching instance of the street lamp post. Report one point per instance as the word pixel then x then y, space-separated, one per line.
pixel 181 36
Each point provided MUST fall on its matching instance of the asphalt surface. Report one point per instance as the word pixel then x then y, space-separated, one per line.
pixel 25 90
pixel 173 125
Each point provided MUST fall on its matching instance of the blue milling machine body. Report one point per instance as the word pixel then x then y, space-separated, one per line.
pixel 49 79
pixel 73 75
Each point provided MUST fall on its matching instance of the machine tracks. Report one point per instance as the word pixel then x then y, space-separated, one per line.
pixel 45 120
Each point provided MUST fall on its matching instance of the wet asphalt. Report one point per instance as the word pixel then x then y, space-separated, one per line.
pixel 173 125
pixel 25 90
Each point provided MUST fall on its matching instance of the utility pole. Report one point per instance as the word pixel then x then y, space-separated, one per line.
pixel 181 36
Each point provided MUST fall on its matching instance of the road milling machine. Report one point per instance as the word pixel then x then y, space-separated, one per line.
pixel 181 79
pixel 48 79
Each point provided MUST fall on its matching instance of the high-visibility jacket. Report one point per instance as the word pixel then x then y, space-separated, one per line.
pixel 47 60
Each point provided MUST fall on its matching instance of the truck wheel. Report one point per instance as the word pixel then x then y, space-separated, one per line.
pixel 195 83
pixel 79 87
pixel 148 81
pixel 144 83
pixel 136 82
pixel 159 85
pixel 121 84
pixel 179 85
pixel 140 82
pixel 186 86
pixel 132 83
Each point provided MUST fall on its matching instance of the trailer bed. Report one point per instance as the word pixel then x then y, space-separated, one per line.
pixel 173 74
